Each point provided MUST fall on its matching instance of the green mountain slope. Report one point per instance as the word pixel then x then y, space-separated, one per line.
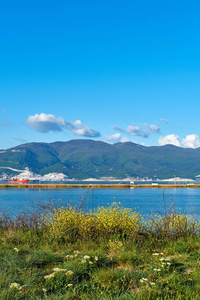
pixel 87 158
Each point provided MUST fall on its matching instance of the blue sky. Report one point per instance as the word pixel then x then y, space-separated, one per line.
pixel 107 70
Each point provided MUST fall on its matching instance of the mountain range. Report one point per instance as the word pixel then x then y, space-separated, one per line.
pixel 81 159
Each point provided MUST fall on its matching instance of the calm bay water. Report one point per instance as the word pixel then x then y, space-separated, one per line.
pixel 143 200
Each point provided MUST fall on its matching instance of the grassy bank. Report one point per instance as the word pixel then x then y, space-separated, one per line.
pixel 112 253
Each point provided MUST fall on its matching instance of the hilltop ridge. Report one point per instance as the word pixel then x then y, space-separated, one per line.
pixel 81 159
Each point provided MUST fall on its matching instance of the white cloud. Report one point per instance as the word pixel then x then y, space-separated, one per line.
pixel 170 139
pixel 154 128
pixel 48 122
pixel 135 130
pixel 113 138
pixel 126 140
pixel 116 138
pixel 191 141
pixel 45 123
pixel 116 128
pixel 80 129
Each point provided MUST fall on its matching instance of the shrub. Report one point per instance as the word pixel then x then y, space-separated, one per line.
pixel 171 225
pixel 118 220
pixel 68 224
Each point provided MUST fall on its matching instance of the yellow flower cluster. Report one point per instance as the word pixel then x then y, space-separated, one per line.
pixel 116 220
pixel 66 222
pixel 115 248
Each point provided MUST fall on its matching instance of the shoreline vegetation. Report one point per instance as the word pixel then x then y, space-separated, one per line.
pixel 108 253
pixel 98 186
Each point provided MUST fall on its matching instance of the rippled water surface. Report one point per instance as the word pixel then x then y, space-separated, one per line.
pixel 143 200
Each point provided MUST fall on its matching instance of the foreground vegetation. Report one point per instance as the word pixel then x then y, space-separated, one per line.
pixel 112 253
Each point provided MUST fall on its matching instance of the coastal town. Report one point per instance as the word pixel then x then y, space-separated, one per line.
pixel 27 174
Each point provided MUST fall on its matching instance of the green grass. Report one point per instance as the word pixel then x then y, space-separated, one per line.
pixel 157 258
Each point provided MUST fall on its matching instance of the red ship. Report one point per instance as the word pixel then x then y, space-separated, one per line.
pixel 18 181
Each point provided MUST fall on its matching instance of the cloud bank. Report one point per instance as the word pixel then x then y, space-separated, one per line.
pixel 134 130
pixel 45 123
pixel 116 138
pixel 191 141
pixel 153 128
pixel 48 122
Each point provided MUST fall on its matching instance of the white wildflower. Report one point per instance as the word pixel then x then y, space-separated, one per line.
pixel 161 253
pixel 145 279
pixel 70 284
pixel 158 270
pixel 167 258
pixel 49 276
pixel 90 262
pixel 169 264
pixel 156 254
pixel 59 270
pixel 56 269
pixel 15 285
pixel 141 280
pixel 161 259
pixel 16 249
pixel 86 257
pixel 69 273
pixel 96 258
pixel 70 256
pixel 152 283
pixel 83 261
pixel 44 290
pixel 163 265
pixel 76 251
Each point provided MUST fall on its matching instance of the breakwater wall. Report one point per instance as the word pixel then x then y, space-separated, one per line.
pixel 98 186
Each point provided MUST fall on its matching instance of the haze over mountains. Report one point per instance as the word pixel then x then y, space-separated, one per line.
pixel 83 159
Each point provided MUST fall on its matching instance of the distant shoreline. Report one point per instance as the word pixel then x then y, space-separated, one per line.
pixel 98 186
